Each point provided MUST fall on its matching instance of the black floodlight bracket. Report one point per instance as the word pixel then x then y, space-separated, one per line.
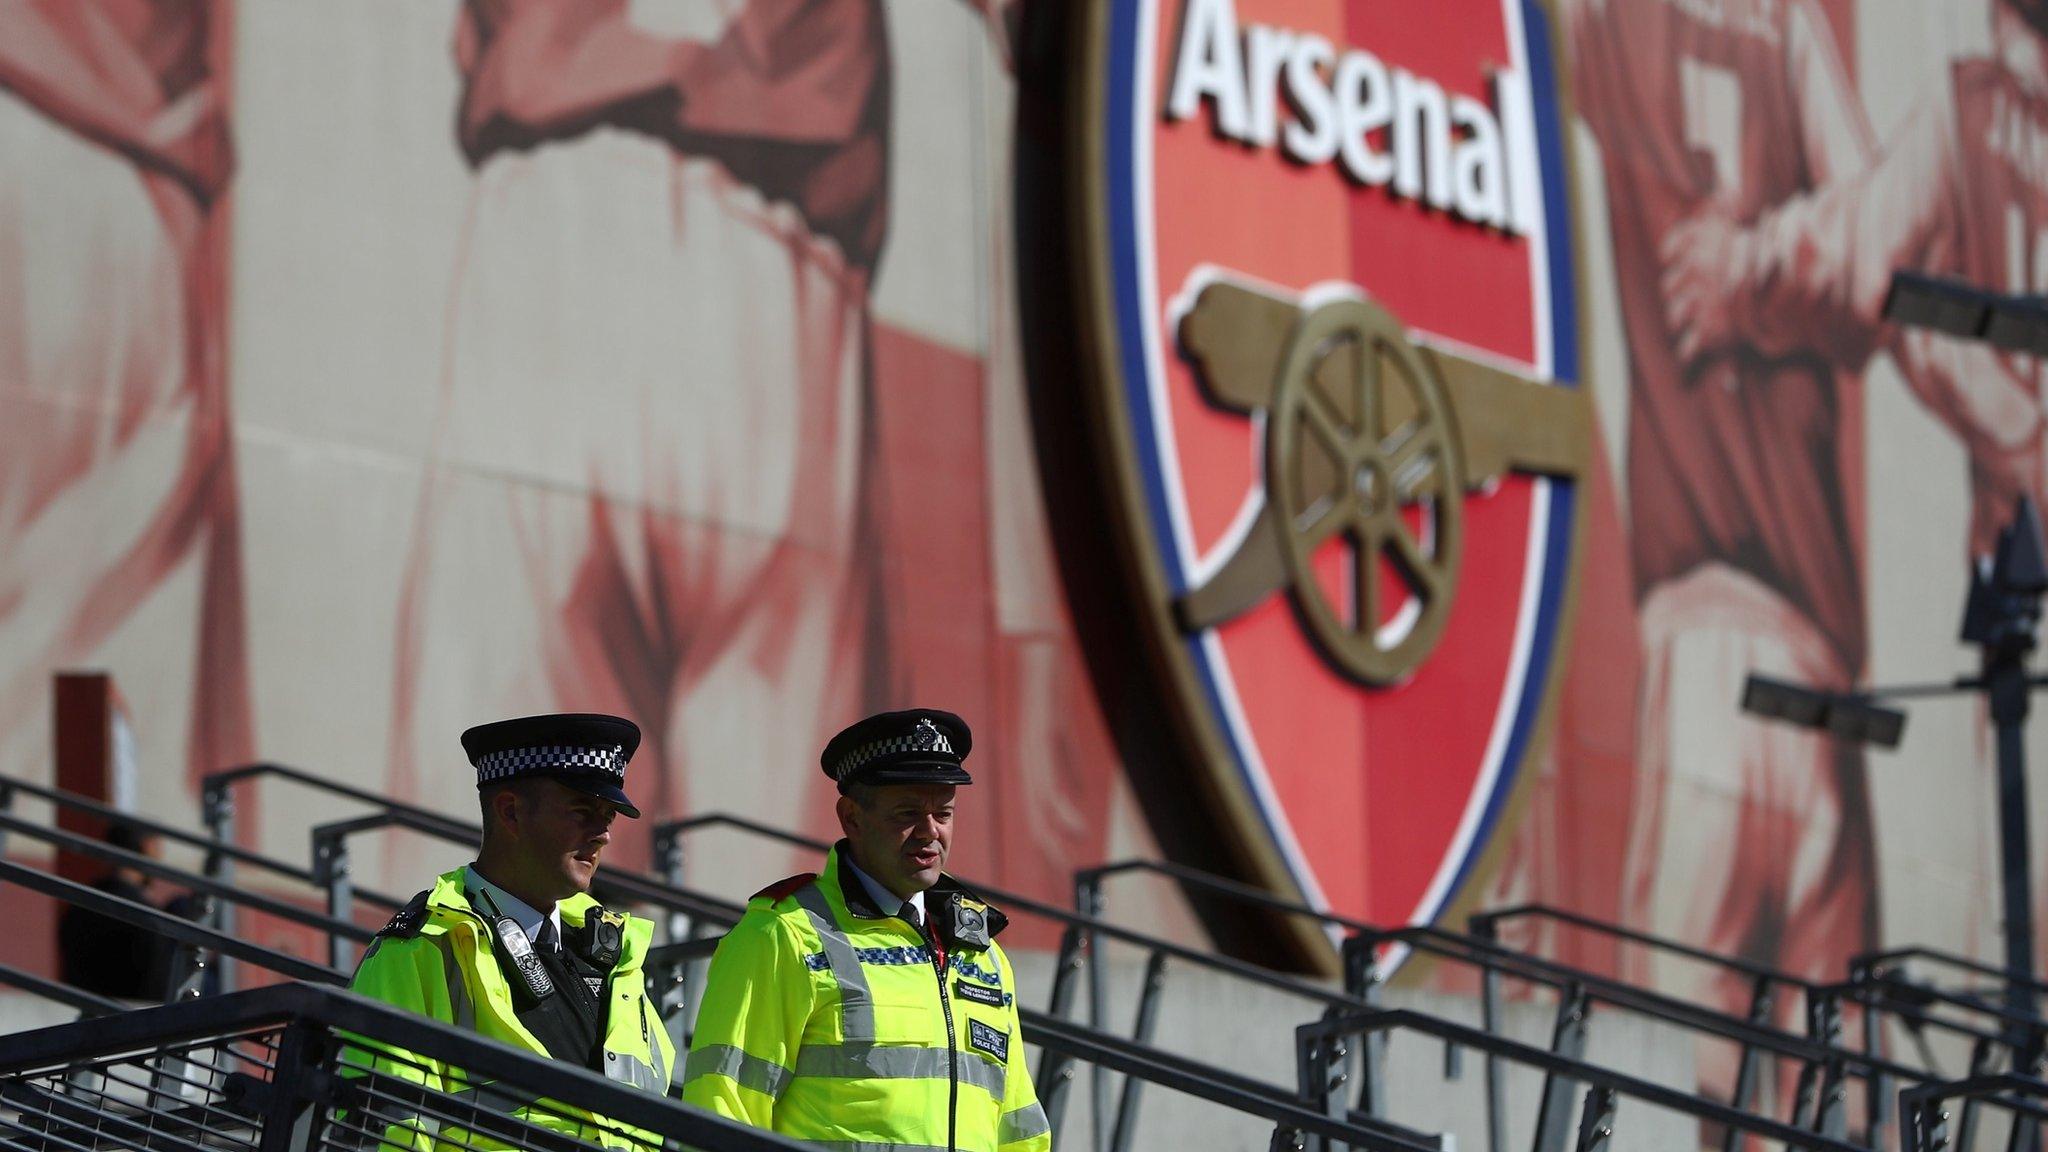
pixel 1967 312
pixel 1849 715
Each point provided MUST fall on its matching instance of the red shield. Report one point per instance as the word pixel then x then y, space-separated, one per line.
pixel 1329 297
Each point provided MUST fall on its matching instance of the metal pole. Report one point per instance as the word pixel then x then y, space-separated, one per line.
pixel 2008 690
pixel 1487 929
pixel 1088 897
pixel 668 863
pixel 1148 1019
pixel 331 871
pixel 1056 1069
pixel 1568 1039
pixel 217 809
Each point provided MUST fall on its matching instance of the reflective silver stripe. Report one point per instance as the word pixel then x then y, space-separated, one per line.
pixel 856 1006
pixel 458 989
pixel 653 1042
pixel 1022 1124
pixel 747 1071
pixel 625 1068
pixel 872 1146
pixel 867 1062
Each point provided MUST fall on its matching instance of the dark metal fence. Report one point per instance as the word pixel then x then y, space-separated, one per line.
pixel 282 1069
pixel 211 1080
pixel 1948 1117
pixel 1877 986
pixel 1325 1049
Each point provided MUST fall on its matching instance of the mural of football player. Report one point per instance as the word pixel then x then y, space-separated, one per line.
pixel 1959 190
pixel 676 221
pixel 1748 838
pixel 678 218
pixel 116 468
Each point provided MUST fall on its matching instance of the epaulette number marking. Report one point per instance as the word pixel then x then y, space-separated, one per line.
pixel 407 921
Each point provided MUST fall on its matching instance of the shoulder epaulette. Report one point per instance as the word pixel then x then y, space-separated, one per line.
pixel 407 921
pixel 782 889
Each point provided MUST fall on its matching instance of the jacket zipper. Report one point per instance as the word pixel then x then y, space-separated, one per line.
pixel 939 962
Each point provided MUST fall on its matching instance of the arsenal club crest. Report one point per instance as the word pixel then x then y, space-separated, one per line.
pixel 1317 269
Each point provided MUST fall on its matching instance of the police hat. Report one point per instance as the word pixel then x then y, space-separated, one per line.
pixel 921 746
pixel 584 751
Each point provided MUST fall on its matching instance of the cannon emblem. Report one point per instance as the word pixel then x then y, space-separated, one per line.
pixel 1373 443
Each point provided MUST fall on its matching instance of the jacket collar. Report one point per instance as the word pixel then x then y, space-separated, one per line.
pixel 449 898
pixel 939 900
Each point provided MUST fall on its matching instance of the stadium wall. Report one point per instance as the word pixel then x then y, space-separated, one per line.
pixel 369 371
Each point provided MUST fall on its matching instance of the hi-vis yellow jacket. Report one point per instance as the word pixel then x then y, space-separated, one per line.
pixel 830 1022
pixel 437 958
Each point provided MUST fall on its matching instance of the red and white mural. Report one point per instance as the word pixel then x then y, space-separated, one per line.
pixel 119 534
pixel 666 358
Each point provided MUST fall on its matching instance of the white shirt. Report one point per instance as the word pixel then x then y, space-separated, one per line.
pixel 887 901
pixel 523 914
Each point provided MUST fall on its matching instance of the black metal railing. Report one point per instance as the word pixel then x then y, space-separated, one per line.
pixel 1325 1055
pixel 1062 1043
pixel 1932 1125
pixel 693 912
pixel 1876 986
pixel 1824 1061
pixel 282 1069
pixel 1115 1111
pixel 205 941
pixel 1826 1067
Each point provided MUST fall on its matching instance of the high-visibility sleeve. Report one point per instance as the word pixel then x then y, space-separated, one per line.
pixel 757 998
pixel 1022 1127
pixel 408 974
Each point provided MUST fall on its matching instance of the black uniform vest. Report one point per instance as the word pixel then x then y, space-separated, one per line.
pixel 569 1022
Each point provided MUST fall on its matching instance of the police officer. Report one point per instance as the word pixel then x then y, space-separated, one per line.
pixel 513 946
pixel 871 1006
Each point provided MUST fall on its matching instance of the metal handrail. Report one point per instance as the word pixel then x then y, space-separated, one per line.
pixel 1876 961
pixel 1088 878
pixel 658 893
pixel 1871 985
pixel 1927 1120
pixel 1445 943
pixel 1753 1031
pixel 625 884
pixel 1471 949
pixel 89 1003
pixel 1236 1093
pixel 337 1011
pixel 1908 1001
pixel 328 840
pixel 634 886
pixel 163 923
pixel 1068 918
pixel 1314 1040
pixel 1657 1005
pixel 213 890
pixel 1479 938
pixel 1819 1055
pixel 72 800
pixel 753 827
pixel 1076 1041
pixel 1485 925
pixel 227 778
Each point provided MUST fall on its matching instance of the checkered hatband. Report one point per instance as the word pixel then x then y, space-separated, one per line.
pixel 926 738
pixel 550 758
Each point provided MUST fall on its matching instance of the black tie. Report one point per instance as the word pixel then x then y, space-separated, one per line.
pixel 547 941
